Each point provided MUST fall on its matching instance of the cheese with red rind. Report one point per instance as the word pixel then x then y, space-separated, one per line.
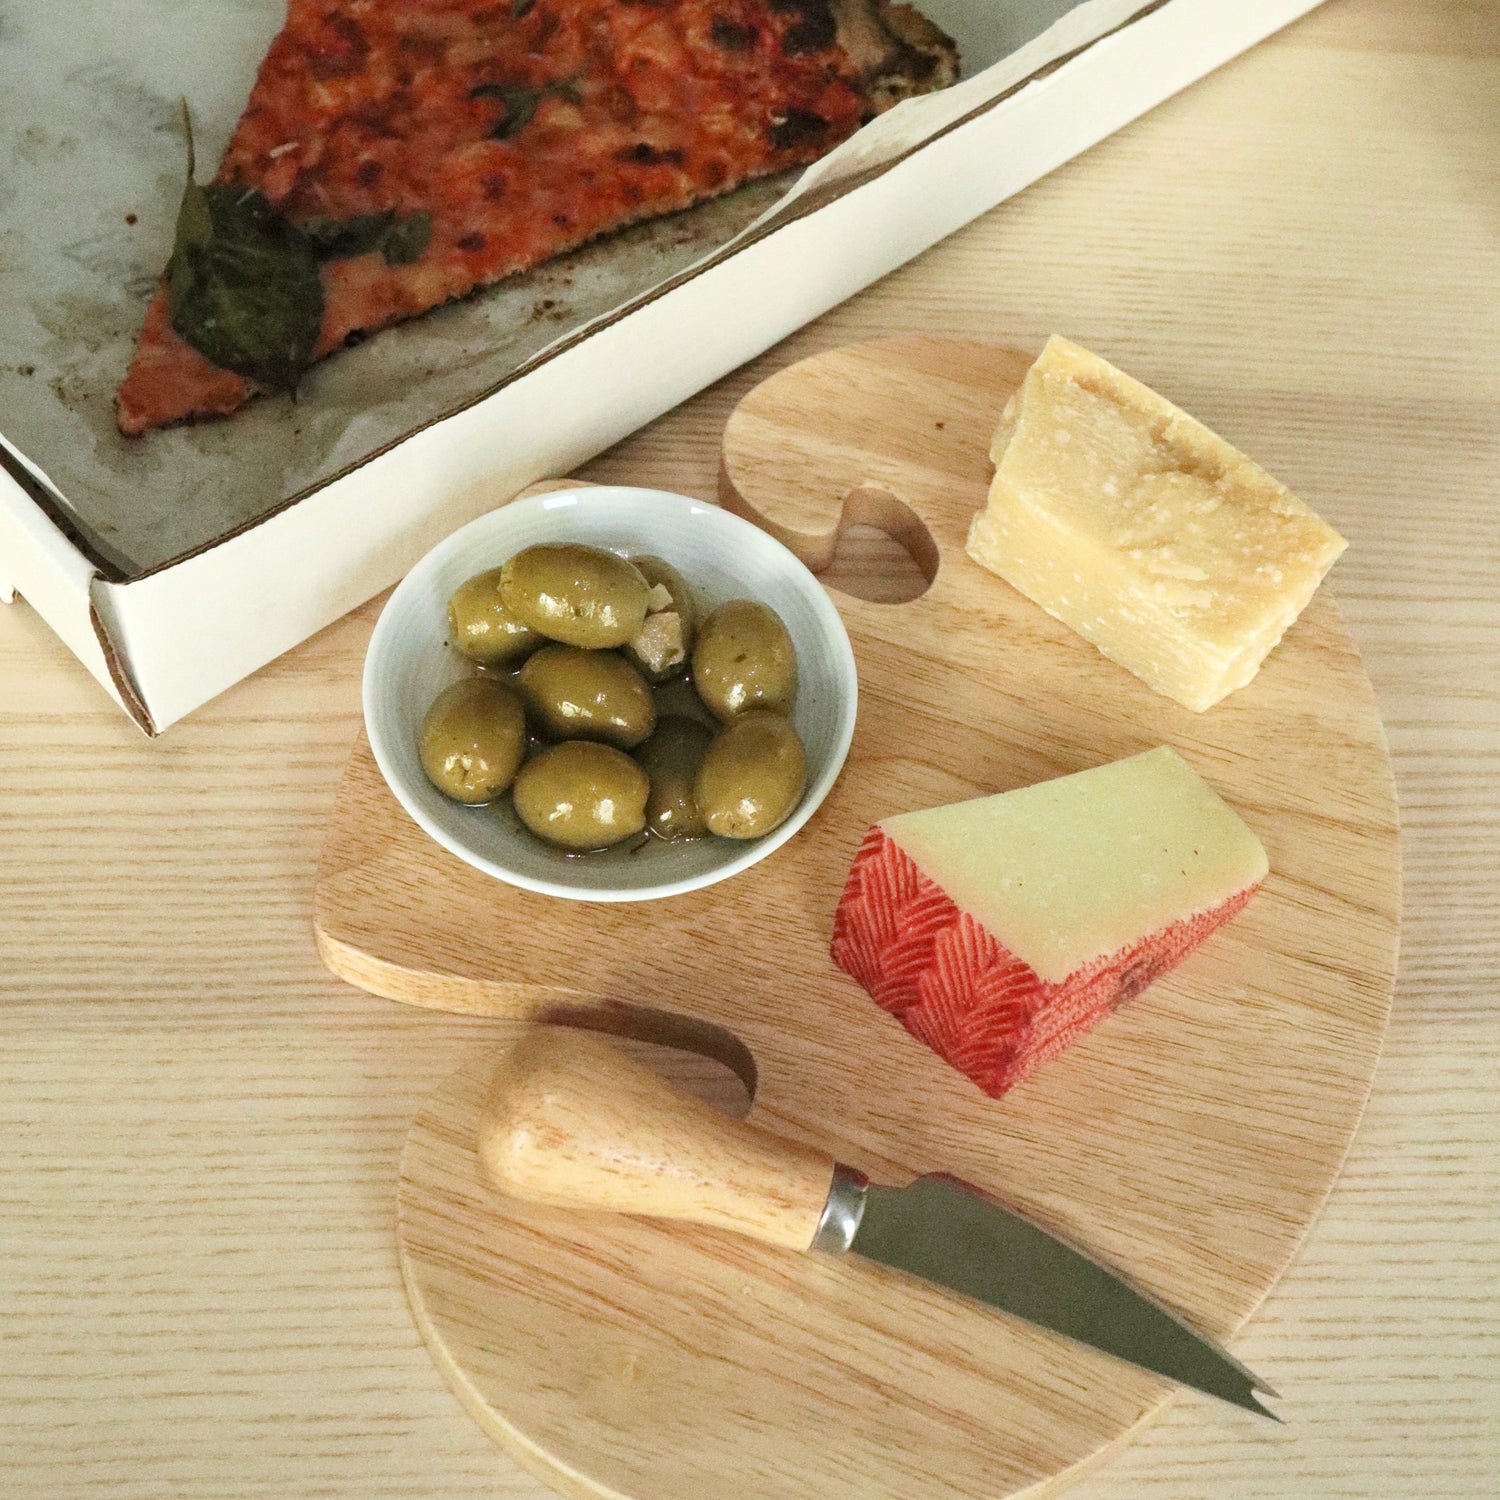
pixel 1082 865
pixel 954 977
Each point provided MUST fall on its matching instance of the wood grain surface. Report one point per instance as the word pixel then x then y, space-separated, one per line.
pixel 1188 1141
pixel 201 1127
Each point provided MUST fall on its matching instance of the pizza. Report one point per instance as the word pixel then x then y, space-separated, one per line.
pixel 395 155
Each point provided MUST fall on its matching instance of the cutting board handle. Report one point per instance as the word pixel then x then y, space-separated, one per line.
pixel 573 1121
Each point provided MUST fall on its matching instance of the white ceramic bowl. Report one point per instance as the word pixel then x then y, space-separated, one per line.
pixel 723 557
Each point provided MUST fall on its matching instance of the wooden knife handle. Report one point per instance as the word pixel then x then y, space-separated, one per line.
pixel 572 1121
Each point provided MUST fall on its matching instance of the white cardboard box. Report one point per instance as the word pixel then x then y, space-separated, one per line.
pixel 166 642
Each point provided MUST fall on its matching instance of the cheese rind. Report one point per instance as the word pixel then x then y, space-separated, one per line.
pixel 1153 538
pixel 999 929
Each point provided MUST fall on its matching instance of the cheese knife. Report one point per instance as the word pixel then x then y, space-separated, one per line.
pixel 574 1122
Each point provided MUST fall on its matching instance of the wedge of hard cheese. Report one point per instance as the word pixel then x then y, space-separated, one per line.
pixel 997 930
pixel 1157 541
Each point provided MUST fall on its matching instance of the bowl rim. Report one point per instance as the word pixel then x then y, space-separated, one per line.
pixel 755 850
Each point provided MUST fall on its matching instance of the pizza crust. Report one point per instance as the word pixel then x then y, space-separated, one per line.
pixel 898 51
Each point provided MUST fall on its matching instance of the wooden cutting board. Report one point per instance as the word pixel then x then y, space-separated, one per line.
pixel 1189 1141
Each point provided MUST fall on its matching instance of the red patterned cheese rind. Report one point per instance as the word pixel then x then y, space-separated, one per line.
pixel 958 988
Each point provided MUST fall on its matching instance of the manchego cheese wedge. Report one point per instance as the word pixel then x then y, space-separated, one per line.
pixel 999 929
pixel 1157 541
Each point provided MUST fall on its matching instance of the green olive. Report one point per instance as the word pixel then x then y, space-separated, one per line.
pixel 744 659
pixel 582 795
pixel 752 776
pixel 473 739
pixel 583 596
pixel 671 758
pixel 480 626
pixel 661 647
pixel 575 694
pixel 676 696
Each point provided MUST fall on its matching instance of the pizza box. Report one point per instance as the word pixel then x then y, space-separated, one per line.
pixel 177 564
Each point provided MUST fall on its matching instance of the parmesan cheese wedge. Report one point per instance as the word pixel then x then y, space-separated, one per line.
pixel 1153 538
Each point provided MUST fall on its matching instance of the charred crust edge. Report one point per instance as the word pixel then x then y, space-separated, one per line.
pixel 898 51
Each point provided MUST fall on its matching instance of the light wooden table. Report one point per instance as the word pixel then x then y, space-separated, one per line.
pixel 199 1127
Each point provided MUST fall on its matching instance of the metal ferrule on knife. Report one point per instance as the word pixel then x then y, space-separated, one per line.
pixel 847 1195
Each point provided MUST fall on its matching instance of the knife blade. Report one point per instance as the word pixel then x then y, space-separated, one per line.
pixel 946 1231
pixel 574 1122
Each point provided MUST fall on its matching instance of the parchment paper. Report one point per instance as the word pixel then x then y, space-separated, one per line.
pixel 91 170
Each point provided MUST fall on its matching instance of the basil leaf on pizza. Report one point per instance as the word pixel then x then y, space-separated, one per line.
pixel 517 105
pixel 247 295
pixel 336 239
pixel 400 241
pixel 405 241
